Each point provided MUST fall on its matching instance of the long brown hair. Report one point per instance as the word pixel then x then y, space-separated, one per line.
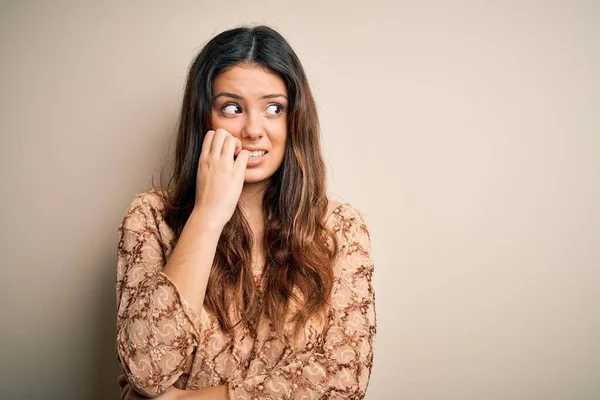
pixel 299 254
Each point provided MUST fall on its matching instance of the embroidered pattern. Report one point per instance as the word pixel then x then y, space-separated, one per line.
pixel 162 341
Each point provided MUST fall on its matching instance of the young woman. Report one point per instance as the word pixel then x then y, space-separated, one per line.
pixel 240 279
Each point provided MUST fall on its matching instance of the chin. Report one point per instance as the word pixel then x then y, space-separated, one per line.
pixel 256 177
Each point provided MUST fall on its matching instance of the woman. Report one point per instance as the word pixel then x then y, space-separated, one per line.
pixel 240 279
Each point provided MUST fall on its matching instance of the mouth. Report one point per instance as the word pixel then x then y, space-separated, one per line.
pixel 254 154
pixel 256 158
pixel 257 153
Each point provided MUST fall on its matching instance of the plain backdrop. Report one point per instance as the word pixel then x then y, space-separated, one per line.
pixel 467 133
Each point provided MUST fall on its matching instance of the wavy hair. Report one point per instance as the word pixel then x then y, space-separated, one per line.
pixel 299 256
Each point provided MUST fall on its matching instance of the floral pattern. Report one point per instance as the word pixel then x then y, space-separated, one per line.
pixel 162 341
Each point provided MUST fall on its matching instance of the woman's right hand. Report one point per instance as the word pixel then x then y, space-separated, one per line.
pixel 220 178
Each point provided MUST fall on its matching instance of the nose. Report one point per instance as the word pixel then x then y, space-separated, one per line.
pixel 252 128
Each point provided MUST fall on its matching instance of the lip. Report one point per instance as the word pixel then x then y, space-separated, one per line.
pixel 254 161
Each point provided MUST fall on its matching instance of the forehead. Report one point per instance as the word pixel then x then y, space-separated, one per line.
pixel 249 80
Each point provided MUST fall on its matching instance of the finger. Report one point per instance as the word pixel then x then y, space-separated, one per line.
pixel 238 147
pixel 240 164
pixel 133 395
pixel 217 142
pixel 208 138
pixel 123 384
pixel 125 393
pixel 124 389
pixel 229 148
pixel 121 381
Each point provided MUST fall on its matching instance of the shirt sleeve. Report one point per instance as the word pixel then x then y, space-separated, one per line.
pixel 340 368
pixel 157 330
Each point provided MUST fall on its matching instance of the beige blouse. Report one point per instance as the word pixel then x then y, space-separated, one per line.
pixel 162 341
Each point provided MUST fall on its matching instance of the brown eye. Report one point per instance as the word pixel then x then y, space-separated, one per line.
pixel 230 109
pixel 278 107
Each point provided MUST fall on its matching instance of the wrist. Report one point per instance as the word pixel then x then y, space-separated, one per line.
pixel 203 221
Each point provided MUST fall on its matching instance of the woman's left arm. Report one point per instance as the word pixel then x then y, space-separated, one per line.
pixel 210 393
pixel 341 367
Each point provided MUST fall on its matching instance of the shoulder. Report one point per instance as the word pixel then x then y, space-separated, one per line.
pixel 354 243
pixel 345 213
pixel 152 199
pixel 145 208
pixel 347 221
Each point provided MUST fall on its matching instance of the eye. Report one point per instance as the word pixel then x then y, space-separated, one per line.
pixel 276 106
pixel 230 108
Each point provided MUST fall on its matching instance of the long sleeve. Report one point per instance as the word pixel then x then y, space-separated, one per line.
pixel 340 366
pixel 157 329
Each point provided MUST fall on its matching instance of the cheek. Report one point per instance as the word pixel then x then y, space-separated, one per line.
pixel 280 139
pixel 215 122
pixel 279 143
pixel 229 124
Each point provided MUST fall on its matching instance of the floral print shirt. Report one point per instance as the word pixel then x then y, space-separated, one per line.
pixel 162 341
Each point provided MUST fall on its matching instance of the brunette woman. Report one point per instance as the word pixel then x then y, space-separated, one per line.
pixel 239 278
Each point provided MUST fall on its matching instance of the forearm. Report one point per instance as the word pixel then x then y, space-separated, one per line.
pixel 191 261
pixel 210 393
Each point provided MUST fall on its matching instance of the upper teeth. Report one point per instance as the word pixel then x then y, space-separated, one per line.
pixel 257 153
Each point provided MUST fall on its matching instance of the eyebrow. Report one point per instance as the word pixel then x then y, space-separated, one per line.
pixel 237 96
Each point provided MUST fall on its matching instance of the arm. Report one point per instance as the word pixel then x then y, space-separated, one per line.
pixel 341 367
pixel 157 326
pixel 173 393
pixel 211 393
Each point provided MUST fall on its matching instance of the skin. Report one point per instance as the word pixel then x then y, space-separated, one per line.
pixel 241 117
pixel 255 122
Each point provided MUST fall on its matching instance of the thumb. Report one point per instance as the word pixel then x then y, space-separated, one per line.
pixel 239 166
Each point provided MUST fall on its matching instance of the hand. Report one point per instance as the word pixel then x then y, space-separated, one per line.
pixel 127 393
pixel 220 178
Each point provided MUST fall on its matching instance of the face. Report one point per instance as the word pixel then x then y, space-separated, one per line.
pixel 251 103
